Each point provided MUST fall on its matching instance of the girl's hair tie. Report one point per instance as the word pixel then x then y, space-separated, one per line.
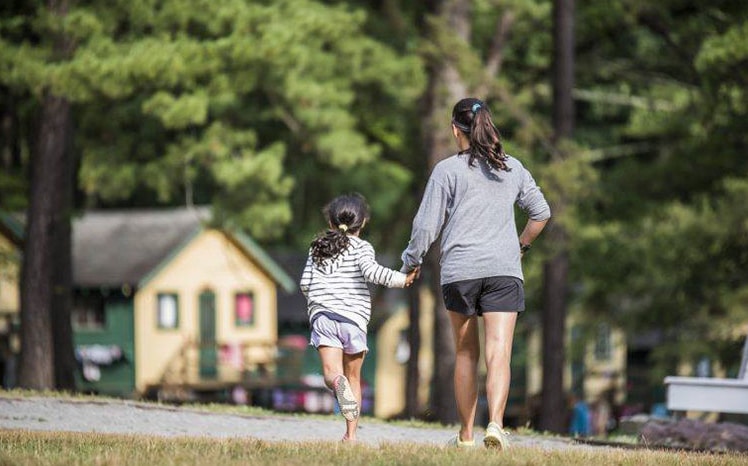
pixel 343 227
pixel 476 107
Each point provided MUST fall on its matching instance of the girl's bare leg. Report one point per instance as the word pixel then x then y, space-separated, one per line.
pixel 467 352
pixel 332 364
pixel 352 364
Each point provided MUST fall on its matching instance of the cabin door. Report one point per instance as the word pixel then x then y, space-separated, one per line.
pixel 208 347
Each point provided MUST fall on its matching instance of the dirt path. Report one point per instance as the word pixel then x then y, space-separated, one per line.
pixel 128 417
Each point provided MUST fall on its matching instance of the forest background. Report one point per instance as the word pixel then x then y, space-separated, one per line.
pixel 630 113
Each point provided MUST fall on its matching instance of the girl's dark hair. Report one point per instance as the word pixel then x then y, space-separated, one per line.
pixel 472 117
pixel 345 214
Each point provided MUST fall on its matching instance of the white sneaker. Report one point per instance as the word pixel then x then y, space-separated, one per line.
pixel 496 437
pixel 346 401
pixel 456 442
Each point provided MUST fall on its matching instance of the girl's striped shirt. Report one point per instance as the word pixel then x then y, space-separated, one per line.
pixel 338 287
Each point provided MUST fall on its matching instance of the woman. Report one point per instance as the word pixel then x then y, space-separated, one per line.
pixel 469 200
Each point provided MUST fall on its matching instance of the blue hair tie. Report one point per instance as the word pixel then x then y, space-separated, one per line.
pixel 475 107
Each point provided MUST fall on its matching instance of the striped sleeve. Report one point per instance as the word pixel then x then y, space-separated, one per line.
pixel 306 276
pixel 376 273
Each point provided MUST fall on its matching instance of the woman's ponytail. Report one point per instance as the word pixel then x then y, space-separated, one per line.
pixel 472 117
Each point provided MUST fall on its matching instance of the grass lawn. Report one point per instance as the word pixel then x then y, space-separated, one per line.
pixel 44 448
pixel 18 447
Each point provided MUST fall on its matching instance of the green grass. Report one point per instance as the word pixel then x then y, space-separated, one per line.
pixel 56 448
pixel 43 448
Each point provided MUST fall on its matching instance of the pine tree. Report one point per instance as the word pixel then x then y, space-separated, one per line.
pixel 187 101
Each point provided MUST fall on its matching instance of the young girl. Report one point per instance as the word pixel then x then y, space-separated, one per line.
pixel 334 283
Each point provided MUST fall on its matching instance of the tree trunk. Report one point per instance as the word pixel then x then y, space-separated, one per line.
pixel 36 368
pixel 62 262
pixel 62 275
pixel 553 411
pixel 563 69
pixel 443 404
pixel 47 359
pixel 413 374
pixel 445 88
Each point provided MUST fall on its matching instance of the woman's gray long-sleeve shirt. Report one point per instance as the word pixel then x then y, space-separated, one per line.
pixel 473 209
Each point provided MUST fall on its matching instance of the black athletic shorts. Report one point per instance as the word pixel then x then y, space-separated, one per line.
pixel 490 294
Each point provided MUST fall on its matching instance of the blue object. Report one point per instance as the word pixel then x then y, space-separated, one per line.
pixel 580 419
pixel 659 410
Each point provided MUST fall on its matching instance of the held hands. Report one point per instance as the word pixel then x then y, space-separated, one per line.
pixel 411 276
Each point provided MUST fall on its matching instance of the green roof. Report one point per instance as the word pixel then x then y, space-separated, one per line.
pixel 13 226
pixel 265 261
pixel 114 247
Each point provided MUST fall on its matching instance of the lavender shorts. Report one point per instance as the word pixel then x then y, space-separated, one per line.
pixel 328 332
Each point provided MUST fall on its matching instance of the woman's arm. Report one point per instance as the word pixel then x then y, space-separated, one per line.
pixel 532 201
pixel 427 224
pixel 531 231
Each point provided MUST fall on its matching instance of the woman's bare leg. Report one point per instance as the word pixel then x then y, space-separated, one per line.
pixel 467 352
pixel 499 330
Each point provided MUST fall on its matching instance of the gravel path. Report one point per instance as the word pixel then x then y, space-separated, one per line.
pixel 130 417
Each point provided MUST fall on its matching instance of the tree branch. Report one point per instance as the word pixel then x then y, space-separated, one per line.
pixel 657 26
pixel 392 11
pixel 542 134
pixel 496 53
pixel 489 85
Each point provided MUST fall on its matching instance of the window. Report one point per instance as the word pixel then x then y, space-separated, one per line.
pixel 602 343
pixel 88 312
pixel 168 311
pixel 244 309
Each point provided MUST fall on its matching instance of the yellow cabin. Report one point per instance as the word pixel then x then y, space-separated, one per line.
pixel 167 306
